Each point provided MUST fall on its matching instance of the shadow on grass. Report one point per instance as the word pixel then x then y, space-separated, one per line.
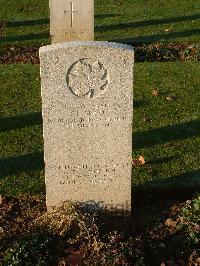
pixel 153 200
pixel 107 15
pixel 188 182
pixel 165 134
pixel 41 21
pixel 20 121
pixel 162 160
pixel 34 36
pixel 21 163
pixel 157 37
pixel 139 103
pixel 145 23
pixel 19 23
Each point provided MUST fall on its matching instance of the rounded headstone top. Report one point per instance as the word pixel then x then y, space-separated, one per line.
pixel 63 45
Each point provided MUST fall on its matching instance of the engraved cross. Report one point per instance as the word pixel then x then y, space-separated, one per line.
pixel 72 11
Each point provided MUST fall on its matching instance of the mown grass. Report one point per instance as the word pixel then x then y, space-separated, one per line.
pixel 148 21
pixel 27 21
pixel 21 144
pixel 167 127
pixel 165 132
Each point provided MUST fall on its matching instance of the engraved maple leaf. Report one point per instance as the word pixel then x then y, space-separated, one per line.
pixel 87 78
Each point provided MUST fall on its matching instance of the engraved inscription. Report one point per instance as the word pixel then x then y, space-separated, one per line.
pixel 87 78
pixel 87 122
pixel 80 116
pixel 91 174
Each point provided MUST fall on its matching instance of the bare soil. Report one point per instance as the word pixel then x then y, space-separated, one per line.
pixel 153 226
pixel 15 54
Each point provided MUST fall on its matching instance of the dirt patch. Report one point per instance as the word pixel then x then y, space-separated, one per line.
pixel 151 237
pixel 167 52
pixel 14 54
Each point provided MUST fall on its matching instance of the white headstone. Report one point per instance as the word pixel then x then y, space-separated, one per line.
pixel 87 99
pixel 71 20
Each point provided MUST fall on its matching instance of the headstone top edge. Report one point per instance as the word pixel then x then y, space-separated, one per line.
pixel 105 44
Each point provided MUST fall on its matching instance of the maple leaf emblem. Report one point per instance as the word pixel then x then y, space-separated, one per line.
pixel 87 78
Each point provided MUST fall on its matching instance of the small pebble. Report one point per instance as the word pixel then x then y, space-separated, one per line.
pixel 162 245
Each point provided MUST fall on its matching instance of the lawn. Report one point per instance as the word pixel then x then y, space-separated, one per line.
pixel 166 127
pixel 27 21
pixel 21 130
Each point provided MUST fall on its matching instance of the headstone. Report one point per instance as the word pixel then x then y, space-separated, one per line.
pixel 71 20
pixel 87 102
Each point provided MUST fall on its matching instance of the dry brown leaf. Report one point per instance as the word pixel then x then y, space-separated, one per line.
pixel 155 93
pixel 170 98
pixel 168 30
pixel 139 161
pixel 170 223
pixel 2 199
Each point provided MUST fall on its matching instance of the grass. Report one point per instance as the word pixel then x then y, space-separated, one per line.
pixel 21 144
pixel 166 133
pixel 27 21
pixel 146 21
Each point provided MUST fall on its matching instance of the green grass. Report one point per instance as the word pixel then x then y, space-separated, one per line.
pixel 166 133
pixel 21 163
pixel 146 21
pixel 27 21
pixel 118 20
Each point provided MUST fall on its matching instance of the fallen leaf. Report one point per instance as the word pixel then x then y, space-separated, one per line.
pixel 155 93
pixel 147 119
pixel 139 161
pixel 170 223
pixel 2 199
pixel 170 98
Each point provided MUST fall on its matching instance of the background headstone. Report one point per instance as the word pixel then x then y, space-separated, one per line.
pixel 71 20
pixel 87 100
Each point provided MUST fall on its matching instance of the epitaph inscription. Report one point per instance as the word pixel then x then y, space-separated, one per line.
pixel 87 78
pixel 87 122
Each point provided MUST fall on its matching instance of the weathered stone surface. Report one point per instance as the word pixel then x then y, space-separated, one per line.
pixel 71 20
pixel 87 102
